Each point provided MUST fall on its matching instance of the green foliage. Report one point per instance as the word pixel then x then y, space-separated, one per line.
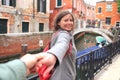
pixel 118 2
pixel 118 9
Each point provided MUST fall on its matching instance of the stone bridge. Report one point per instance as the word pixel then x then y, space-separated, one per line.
pixel 86 37
pixel 105 33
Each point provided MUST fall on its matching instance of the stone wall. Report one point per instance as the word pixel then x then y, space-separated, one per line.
pixel 85 41
pixel 12 43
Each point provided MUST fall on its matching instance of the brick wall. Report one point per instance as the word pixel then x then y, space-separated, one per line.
pixel 11 43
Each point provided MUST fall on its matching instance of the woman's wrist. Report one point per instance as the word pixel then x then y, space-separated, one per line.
pixel 54 59
pixel 53 55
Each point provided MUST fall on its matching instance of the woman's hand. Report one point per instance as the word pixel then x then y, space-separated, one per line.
pixel 30 61
pixel 47 59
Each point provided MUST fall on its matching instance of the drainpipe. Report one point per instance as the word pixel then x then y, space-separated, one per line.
pixel 24 48
pixel 33 8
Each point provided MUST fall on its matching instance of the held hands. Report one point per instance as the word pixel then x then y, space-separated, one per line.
pixel 48 60
pixel 33 61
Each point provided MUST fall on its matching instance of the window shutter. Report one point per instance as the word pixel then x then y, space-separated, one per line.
pixel 44 6
pixel 3 2
pixel 38 5
pixel 13 3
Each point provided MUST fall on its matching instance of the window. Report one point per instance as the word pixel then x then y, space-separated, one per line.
pixel 108 20
pixel 41 27
pixel 41 6
pixel 88 7
pixel 58 3
pixel 109 7
pixel 117 24
pixel 99 10
pixel 9 2
pixel 3 26
pixel 25 26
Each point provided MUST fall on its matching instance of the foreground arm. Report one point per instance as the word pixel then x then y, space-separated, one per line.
pixel 13 70
pixel 18 69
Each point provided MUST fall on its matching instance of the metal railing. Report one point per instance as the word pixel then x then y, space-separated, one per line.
pixel 33 77
pixel 7 58
pixel 91 63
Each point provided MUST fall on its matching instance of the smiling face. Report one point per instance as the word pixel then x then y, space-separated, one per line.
pixel 67 22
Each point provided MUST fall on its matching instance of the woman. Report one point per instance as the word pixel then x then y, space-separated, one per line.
pixel 60 57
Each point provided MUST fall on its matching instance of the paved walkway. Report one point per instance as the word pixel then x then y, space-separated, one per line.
pixel 110 72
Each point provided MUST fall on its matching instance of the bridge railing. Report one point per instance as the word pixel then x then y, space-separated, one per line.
pixel 91 63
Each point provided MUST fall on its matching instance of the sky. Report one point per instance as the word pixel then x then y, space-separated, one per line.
pixel 93 2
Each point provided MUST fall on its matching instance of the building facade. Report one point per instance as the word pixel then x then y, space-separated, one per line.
pixel 90 15
pixel 80 13
pixel 19 16
pixel 107 14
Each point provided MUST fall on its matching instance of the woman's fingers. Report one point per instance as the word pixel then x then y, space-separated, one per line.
pixel 48 71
